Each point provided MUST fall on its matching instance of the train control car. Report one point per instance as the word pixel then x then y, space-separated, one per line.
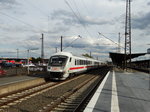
pixel 63 65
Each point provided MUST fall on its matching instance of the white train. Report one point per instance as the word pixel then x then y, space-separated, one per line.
pixel 63 65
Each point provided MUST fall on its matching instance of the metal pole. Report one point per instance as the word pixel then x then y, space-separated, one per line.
pixel 90 54
pixel 61 44
pixel 42 47
pixel 148 52
pixel 149 74
pixel 17 53
pixel 56 49
pixel 28 60
pixel 17 60
pixel 119 49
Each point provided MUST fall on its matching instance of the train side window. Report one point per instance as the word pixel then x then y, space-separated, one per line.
pixel 75 62
pixel 70 59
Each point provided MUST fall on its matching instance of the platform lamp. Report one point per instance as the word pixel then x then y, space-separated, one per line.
pixel 148 52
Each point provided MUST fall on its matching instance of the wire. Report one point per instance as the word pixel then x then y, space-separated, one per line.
pixel 77 9
pixel 109 39
pixel 85 7
pixel 36 7
pixel 72 42
pixel 18 20
pixel 77 17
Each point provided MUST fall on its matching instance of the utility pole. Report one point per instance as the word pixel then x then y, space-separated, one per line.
pixel 90 54
pixel 28 60
pixel 128 34
pixel 42 48
pixel 56 49
pixel 119 48
pixel 17 53
pixel 61 44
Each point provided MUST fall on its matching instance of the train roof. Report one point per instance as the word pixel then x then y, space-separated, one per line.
pixel 71 55
pixel 63 53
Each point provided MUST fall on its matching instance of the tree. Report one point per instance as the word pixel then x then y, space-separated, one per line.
pixel 35 60
pixel 87 55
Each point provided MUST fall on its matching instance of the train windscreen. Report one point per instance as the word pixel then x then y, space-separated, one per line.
pixel 58 61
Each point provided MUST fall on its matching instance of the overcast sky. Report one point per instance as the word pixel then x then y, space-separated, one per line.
pixel 23 21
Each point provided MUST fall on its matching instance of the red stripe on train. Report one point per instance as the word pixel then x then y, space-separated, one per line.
pixel 74 68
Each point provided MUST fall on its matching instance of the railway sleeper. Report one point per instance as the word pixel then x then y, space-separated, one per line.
pixel 66 106
pixel 67 101
pixel 74 98
pixel 63 110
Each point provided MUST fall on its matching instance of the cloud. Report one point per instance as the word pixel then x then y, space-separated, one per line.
pixel 90 44
pixel 148 3
pixel 7 4
pixel 8 1
pixel 58 28
pixel 68 18
pixel 142 22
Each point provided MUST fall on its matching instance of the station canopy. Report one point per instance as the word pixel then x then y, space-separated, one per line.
pixel 118 58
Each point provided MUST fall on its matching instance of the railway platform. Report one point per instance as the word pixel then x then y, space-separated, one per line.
pixel 14 79
pixel 121 92
pixel 11 84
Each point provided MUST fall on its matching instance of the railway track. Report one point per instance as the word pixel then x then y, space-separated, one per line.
pixel 17 97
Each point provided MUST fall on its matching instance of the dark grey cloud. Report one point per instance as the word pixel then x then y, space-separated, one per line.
pixel 7 4
pixel 68 18
pixel 8 1
pixel 148 3
pixel 142 22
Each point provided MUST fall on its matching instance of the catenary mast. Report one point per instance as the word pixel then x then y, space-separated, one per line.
pixel 128 34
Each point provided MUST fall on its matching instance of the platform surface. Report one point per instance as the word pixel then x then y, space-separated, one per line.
pixel 121 92
pixel 14 79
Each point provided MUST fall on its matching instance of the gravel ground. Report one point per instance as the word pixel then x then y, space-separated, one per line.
pixel 36 103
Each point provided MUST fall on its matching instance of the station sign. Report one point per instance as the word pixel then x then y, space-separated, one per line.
pixel 148 51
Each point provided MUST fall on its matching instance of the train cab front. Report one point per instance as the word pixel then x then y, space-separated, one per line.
pixel 56 67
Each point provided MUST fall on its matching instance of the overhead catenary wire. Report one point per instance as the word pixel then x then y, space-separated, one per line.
pixel 77 9
pixel 16 19
pixel 109 39
pixel 77 17
pixel 85 6
pixel 72 42
pixel 36 7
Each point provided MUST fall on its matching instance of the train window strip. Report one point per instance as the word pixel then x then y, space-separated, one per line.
pixel 85 62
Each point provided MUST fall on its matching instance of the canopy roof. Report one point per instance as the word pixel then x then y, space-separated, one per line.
pixel 118 58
